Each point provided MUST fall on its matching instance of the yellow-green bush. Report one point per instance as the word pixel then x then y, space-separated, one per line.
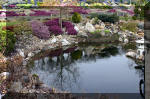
pixel 76 18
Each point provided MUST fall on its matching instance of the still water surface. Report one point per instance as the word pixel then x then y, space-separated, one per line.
pixel 88 69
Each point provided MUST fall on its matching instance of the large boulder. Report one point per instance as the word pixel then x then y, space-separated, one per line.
pixel 89 27
pixel 131 54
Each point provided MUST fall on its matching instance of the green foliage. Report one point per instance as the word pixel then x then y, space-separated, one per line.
pixel 134 17
pixel 139 12
pixel 96 21
pixel 2 40
pixel 24 5
pixel 107 31
pixel 112 18
pixel 10 40
pixel 76 55
pixel 131 26
pixel 96 32
pixel 7 41
pixel 146 11
pixel 23 28
pixel 76 18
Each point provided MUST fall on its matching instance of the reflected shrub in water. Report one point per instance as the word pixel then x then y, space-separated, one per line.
pixel 69 50
pixel 76 55
pixel 57 52
pixel 130 46
pixel 40 30
pixel 111 50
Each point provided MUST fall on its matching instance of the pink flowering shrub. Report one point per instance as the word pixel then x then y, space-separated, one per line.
pixel 40 30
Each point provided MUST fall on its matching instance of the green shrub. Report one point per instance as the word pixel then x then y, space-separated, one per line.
pixel 139 12
pixel 23 27
pixel 96 21
pixel 2 40
pixel 131 26
pixel 76 18
pixel 134 17
pixel 10 42
pixel 7 41
pixel 112 18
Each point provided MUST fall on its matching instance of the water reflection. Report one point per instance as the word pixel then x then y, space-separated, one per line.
pixel 87 69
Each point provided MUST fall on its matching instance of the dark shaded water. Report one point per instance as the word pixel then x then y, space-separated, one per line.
pixel 88 69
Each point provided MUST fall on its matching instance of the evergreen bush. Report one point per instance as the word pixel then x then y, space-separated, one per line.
pixel 76 18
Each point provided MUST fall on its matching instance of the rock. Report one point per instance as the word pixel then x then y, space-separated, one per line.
pixel 16 87
pixel 21 52
pixel 53 40
pixel 76 28
pixel 89 50
pixel 126 40
pixel 92 21
pixel 120 39
pixel 102 33
pixel 65 42
pixel 82 34
pixel 102 24
pixel 89 27
pixel 26 79
pixel 24 63
pixel 131 54
pixel 4 75
pixel 30 54
pixel 141 25
pixel 96 26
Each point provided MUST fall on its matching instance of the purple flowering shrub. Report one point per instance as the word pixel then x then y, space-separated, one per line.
pixel 52 22
pixel 69 50
pixel 71 31
pixel 69 28
pixel 79 10
pixel 54 26
pixel 40 30
pixel 56 52
pixel 11 13
pixel 112 10
pixel 40 13
pixel 128 11
pixel 55 30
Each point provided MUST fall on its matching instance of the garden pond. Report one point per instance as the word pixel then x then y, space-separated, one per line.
pixel 88 68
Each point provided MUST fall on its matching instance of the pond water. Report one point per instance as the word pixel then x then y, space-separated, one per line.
pixel 88 69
